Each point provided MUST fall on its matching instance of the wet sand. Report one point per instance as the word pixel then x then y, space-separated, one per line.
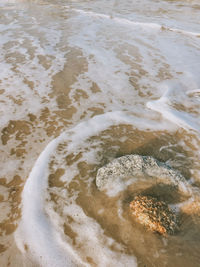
pixel 64 63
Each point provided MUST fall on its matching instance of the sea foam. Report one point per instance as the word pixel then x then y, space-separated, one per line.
pixel 36 229
pixel 181 118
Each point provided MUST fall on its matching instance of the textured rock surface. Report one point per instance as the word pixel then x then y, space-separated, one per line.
pixel 121 172
pixel 154 215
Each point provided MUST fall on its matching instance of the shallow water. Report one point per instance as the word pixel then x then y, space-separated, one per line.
pixel 82 83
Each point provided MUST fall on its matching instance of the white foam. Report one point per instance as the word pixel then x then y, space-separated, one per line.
pixel 180 118
pixel 19 61
pixel 36 229
pixel 129 22
pixel 151 54
pixel 154 43
pixel 95 243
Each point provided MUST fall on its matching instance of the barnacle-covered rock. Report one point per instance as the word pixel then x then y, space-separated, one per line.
pixel 154 215
pixel 121 172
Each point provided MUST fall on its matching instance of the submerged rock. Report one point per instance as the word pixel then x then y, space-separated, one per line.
pixel 154 215
pixel 121 172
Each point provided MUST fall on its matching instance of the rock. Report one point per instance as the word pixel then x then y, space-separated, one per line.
pixel 121 172
pixel 154 215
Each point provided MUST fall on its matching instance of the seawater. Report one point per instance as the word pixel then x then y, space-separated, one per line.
pixel 82 83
